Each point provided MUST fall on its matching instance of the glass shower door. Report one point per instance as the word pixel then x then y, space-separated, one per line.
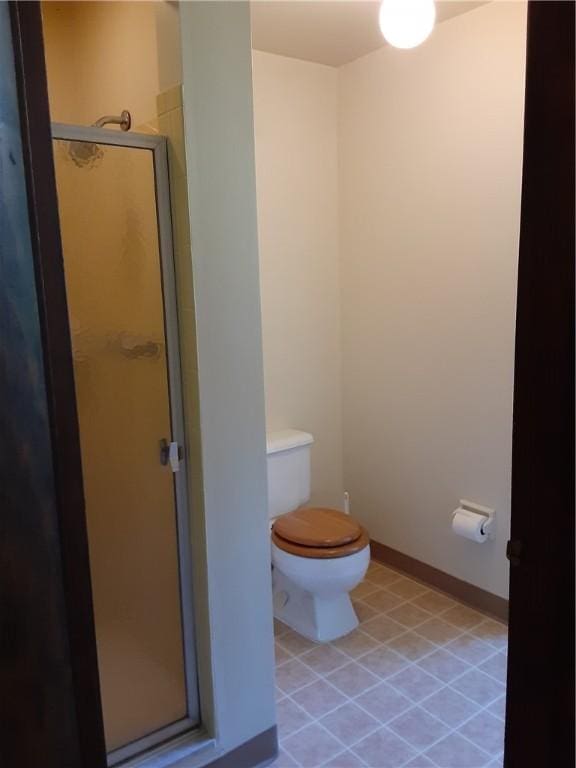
pixel 120 289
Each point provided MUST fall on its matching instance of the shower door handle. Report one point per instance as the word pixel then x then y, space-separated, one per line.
pixel 170 453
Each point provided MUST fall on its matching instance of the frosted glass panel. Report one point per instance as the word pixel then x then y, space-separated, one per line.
pixel 107 206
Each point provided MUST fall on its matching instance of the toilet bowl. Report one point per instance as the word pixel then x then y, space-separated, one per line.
pixel 319 555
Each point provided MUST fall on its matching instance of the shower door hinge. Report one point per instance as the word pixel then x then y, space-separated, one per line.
pixel 171 453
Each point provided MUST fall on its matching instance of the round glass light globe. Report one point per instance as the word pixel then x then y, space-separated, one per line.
pixel 407 23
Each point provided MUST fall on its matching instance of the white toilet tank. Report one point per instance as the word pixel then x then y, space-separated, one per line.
pixel 288 470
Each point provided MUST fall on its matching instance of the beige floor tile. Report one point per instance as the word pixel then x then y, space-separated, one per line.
pixel 411 645
pixel 384 749
pixel 355 644
pixel 486 731
pixel 290 717
pixel 406 588
pixel 279 694
pixel 496 667
pixel 498 707
pixel 383 600
pixel 437 631
pixel 443 665
pixel 421 665
pixel 363 611
pixel 324 659
pixel 455 752
pixel 294 643
pixel 420 761
pixel 498 762
pixel 382 628
pixel 434 602
pixel 293 675
pixel 344 760
pixel 352 680
pixel 492 632
pixel 383 661
pixel 374 566
pixel 479 687
pixel 383 576
pixel 418 728
pixel 409 615
pixel 349 723
pixel 319 698
pixel 470 649
pixel 363 589
pixel 450 707
pixel 462 616
pixel 384 702
pixel 312 746
pixel 414 683
pixel 280 654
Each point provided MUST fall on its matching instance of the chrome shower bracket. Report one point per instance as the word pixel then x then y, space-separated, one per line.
pixel 124 120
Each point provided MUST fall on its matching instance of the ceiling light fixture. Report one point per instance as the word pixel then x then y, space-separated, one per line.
pixel 407 23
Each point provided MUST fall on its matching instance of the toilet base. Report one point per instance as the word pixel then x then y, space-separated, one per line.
pixel 317 618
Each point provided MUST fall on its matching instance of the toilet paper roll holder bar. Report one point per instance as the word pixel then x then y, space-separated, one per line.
pixel 487 512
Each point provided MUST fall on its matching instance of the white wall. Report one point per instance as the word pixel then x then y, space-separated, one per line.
pixel 235 601
pixel 430 160
pixel 295 115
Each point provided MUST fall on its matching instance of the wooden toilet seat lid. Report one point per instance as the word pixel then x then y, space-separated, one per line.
pixel 319 527
pixel 300 550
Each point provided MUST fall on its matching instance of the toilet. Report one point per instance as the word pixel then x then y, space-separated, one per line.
pixel 319 554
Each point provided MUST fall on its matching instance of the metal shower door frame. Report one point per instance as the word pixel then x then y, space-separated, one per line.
pixel 158 145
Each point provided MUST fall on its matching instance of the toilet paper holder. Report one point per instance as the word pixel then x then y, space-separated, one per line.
pixel 487 512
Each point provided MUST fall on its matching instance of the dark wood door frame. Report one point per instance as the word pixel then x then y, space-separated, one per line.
pixel 540 704
pixel 539 729
pixel 60 391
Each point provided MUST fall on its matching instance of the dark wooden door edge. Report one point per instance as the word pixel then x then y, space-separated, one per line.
pixel 44 224
pixel 492 605
pixel 540 702
pixel 260 750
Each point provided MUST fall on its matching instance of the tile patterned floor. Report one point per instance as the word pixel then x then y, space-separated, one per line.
pixel 420 683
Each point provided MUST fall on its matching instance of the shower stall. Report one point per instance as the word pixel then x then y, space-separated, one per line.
pixel 114 207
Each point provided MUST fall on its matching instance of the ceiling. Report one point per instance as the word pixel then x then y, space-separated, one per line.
pixel 330 32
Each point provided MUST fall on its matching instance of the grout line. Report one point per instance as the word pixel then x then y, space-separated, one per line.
pixel 409 663
pixel 486 616
pixel 350 746
pixel 451 729
pixel 483 618
pixel 399 736
pixel 437 615
pixel 385 724
pixel 413 628
pixel 439 646
pixel 316 721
